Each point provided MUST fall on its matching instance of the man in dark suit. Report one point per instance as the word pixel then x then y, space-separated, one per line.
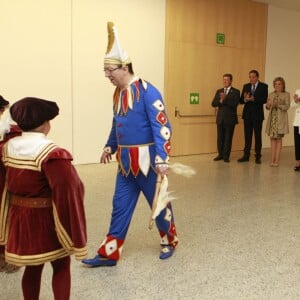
pixel 254 96
pixel 226 100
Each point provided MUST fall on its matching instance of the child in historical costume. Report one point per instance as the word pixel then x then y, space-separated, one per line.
pixel 42 213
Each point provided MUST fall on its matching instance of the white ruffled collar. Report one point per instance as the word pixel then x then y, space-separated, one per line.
pixel 28 145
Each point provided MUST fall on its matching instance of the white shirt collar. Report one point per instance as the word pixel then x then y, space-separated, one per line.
pixel 28 145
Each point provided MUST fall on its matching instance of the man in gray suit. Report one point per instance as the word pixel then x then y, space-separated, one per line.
pixel 226 100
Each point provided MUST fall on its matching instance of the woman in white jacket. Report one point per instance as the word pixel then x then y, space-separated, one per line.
pixel 296 124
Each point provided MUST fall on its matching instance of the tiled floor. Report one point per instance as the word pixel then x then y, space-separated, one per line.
pixel 239 231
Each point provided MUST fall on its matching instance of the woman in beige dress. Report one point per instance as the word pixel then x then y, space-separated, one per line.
pixel 277 123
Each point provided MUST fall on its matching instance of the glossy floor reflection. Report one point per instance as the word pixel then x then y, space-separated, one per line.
pixel 238 225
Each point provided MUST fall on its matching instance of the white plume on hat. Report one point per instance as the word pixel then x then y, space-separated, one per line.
pixel 114 53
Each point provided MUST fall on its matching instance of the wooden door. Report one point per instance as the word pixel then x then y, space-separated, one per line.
pixel 195 63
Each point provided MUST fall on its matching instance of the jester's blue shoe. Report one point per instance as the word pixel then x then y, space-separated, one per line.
pixel 99 261
pixel 166 252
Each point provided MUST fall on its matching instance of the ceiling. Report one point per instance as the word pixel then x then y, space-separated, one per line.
pixel 288 4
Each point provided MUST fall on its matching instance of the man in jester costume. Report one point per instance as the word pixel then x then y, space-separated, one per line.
pixel 140 138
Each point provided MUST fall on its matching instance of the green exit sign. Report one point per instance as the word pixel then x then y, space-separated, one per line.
pixel 194 98
pixel 220 39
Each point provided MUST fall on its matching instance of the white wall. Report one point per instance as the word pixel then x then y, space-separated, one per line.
pixel 54 49
pixel 282 56
pixel 35 57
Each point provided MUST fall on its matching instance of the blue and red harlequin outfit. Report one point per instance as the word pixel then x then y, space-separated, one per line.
pixel 140 137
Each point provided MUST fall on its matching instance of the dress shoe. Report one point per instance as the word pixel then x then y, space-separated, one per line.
pixel 226 160
pixel 297 168
pixel 243 159
pixel 99 261
pixel 258 161
pixel 218 158
pixel 166 252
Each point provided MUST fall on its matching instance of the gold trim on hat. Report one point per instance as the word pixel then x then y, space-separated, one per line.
pixel 116 61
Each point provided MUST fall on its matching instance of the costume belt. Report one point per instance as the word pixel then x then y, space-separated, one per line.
pixel 37 202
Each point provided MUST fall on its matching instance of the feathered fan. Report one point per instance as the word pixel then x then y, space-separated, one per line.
pixel 162 196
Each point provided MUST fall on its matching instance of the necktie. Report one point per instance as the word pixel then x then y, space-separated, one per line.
pixel 225 91
pixel 253 89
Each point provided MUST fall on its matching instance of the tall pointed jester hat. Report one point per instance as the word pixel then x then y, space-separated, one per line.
pixel 114 53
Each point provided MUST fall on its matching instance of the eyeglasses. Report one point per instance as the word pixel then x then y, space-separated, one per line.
pixel 111 70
